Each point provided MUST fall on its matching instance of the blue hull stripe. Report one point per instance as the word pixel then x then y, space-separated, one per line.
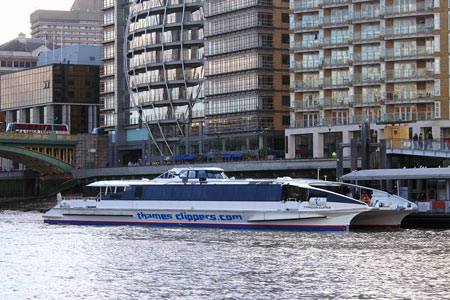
pixel 212 225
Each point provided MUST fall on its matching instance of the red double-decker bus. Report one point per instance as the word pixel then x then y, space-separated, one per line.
pixel 37 128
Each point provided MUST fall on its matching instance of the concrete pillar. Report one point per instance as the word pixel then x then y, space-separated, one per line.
pixel 22 116
pixel 9 116
pixel 346 136
pixel 318 145
pixel 64 114
pixel 291 146
pixel 35 114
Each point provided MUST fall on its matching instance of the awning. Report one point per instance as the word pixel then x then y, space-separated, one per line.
pixel 394 174
pixel 185 157
pixel 232 155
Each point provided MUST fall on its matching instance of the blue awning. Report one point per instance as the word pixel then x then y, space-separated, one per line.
pixel 185 157
pixel 232 155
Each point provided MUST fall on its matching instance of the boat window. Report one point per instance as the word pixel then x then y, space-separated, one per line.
pixel 183 173
pixel 138 192
pixel 317 193
pixel 192 174
pixel 201 174
pixel 294 193
pixel 215 174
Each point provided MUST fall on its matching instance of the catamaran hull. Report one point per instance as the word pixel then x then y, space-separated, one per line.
pixel 309 221
pixel 389 218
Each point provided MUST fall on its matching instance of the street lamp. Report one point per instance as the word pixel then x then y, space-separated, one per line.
pixel 329 141
pixel 266 130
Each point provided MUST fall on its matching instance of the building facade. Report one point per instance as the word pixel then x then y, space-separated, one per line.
pixel 380 61
pixel 163 111
pixel 57 93
pixel 114 98
pixel 79 26
pixel 21 53
pixel 246 75
pixel 165 57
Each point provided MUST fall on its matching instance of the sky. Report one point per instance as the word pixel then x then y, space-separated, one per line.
pixel 15 15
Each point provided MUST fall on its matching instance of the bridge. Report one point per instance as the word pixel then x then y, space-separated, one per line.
pixel 54 155
pixel 49 154
pixel 429 148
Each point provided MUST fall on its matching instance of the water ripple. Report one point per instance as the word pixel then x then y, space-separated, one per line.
pixel 82 262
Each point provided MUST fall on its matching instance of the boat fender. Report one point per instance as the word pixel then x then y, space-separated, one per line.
pixel 318 201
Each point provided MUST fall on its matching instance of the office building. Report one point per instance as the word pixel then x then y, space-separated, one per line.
pixel 380 61
pixel 246 75
pixel 79 26
pixel 163 111
pixel 56 93
pixel 165 58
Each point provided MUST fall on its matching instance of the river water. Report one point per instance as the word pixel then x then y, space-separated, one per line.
pixel 40 261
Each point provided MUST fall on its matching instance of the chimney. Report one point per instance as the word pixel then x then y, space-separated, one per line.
pixel 22 38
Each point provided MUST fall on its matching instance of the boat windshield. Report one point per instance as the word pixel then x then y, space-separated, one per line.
pixel 211 174
pixel 167 175
pixel 339 189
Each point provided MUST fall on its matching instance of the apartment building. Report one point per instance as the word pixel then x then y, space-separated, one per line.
pixel 352 61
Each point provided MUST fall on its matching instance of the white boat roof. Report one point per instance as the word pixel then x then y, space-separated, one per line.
pixel 109 183
pixel 178 170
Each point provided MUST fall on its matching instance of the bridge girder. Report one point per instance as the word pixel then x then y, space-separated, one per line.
pixel 42 163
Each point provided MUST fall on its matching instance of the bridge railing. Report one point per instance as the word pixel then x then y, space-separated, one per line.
pixel 442 145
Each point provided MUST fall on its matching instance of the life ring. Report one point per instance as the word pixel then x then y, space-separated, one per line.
pixel 366 199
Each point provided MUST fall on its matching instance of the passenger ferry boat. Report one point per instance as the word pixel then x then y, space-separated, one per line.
pixel 206 197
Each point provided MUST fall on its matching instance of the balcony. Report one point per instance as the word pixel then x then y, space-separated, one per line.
pixel 366 37
pixel 366 79
pixel 304 46
pixel 305 5
pixel 344 120
pixel 336 82
pixel 420 74
pixel 360 16
pixel 307 65
pixel 361 58
pixel 367 100
pixel 408 32
pixel 305 85
pixel 335 62
pixel 308 123
pixel 329 21
pixel 335 41
pixel 337 103
pixel 310 105
pixel 421 52
pixel 418 96
pixel 303 26
pixel 408 116
pixel 411 9
pixel 333 3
